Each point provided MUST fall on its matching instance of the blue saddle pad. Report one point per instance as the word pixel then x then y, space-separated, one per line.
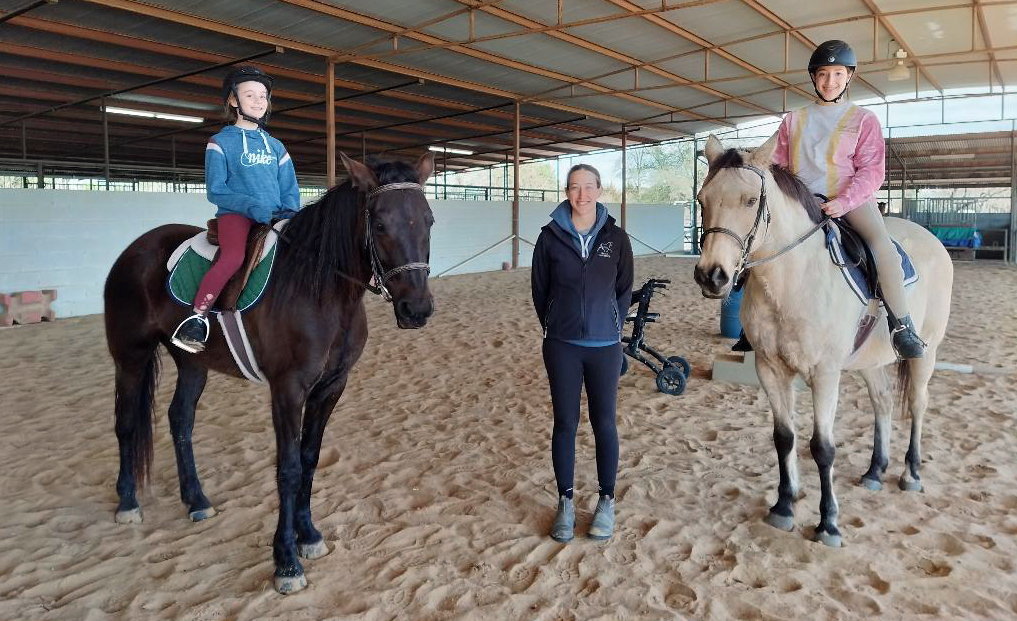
pixel 854 275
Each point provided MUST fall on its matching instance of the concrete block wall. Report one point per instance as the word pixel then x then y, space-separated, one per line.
pixel 68 240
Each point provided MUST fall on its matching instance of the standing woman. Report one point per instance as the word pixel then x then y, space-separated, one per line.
pixel 582 284
pixel 837 149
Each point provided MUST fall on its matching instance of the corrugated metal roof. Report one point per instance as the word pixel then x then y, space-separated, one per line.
pixel 71 50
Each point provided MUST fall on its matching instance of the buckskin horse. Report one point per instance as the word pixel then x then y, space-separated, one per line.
pixel 802 318
pixel 308 332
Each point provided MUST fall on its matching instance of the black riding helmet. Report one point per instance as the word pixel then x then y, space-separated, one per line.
pixel 247 74
pixel 828 53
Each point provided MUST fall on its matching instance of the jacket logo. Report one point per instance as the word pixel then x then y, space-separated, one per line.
pixel 604 249
pixel 256 159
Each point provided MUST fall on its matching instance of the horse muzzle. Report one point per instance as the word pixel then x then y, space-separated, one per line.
pixel 413 313
pixel 714 282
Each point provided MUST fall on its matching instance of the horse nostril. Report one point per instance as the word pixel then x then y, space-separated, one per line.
pixel 699 276
pixel 718 277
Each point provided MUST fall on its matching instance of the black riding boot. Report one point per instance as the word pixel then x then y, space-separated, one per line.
pixel 904 337
pixel 743 343
pixel 191 334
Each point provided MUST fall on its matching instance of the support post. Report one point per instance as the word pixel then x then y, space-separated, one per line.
pixel 515 190
pixel 24 142
pixel 1013 197
pixel 694 242
pixel 330 122
pixel 105 141
pixel 624 155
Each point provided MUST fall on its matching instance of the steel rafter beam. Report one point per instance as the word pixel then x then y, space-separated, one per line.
pixel 253 35
pixel 634 63
pixel 182 52
pixel 871 5
pixel 25 9
pixel 149 83
pixel 363 20
pixel 979 14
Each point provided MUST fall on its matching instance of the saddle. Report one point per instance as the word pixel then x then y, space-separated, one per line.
pixel 851 254
pixel 192 259
pixel 252 255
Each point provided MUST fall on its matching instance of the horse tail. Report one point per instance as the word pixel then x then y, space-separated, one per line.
pixel 904 387
pixel 134 400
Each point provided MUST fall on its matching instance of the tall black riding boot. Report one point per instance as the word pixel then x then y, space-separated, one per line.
pixel 904 337
pixel 742 344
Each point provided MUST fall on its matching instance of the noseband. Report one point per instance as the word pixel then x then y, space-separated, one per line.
pixel 762 215
pixel 381 277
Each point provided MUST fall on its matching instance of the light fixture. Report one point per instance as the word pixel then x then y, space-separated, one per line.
pixel 450 150
pixel 953 156
pixel 154 115
pixel 899 71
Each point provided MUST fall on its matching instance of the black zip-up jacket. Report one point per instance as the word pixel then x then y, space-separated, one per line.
pixel 577 299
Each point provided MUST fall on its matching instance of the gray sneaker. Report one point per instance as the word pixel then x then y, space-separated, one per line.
pixel 564 525
pixel 602 525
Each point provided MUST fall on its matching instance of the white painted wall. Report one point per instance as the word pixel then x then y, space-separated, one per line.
pixel 67 240
pixel 463 229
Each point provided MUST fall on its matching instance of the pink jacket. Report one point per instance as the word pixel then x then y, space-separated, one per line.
pixel 847 163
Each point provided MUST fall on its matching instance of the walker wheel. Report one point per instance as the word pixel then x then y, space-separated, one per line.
pixel 681 363
pixel 670 381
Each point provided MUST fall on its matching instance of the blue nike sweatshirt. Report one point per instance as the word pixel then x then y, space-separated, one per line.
pixel 248 172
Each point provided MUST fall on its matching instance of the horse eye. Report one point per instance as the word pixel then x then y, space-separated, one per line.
pixel 379 226
pixel 752 201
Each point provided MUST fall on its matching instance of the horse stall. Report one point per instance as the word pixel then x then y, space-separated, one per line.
pixel 434 491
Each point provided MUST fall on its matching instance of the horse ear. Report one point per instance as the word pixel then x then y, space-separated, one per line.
pixel 762 156
pixel 361 176
pixel 425 166
pixel 713 149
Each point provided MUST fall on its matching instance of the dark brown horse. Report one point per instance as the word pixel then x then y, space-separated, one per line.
pixel 307 333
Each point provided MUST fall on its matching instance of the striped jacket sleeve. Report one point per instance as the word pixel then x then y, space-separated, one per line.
pixel 869 161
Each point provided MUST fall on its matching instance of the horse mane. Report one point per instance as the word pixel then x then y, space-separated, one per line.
pixel 788 182
pixel 326 236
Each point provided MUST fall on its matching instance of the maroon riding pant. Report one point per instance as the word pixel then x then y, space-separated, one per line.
pixel 233 231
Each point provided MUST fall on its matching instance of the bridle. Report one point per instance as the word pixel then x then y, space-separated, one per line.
pixel 762 215
pixel 382 277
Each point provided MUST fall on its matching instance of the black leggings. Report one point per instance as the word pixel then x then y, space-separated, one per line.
pixel 567 368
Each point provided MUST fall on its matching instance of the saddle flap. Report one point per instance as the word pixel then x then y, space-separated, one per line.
pixel 252 256
pixel 850 253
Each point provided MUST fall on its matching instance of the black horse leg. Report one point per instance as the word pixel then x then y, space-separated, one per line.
pixel 287 405
pixel 882 405
pixel 320 403
pixel 190 384
pixel 137 372
pixel 920 371
pixel 825 386
pixel 778 380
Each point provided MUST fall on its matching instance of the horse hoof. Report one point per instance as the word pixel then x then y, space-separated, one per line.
pixel 909 486
pixel 827 539
pixel 290 584
pixel 132 516
pixel 311 551
pixel 871 484
pixel 201 514
pixel 783 522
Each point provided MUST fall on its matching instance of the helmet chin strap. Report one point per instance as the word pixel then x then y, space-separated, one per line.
pixel 820 95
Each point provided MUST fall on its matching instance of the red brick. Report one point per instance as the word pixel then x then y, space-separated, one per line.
pixel 27 307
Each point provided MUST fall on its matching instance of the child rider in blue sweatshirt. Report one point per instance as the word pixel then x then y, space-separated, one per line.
pixel 249 176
